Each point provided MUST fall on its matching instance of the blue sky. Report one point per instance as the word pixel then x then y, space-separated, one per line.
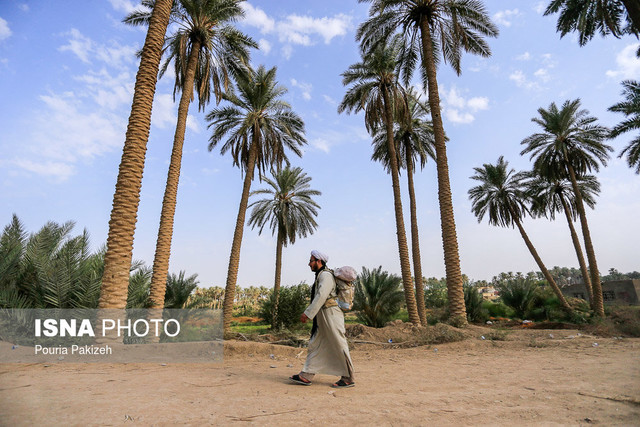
pixel 67 70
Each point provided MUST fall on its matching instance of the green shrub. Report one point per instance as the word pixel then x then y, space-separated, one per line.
pixel 292 302
pixel 473 303
pixel 497 309
pixel 435 293
pixel 519 293
pixel 378 297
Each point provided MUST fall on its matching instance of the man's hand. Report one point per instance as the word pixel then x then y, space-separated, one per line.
pixel 303 318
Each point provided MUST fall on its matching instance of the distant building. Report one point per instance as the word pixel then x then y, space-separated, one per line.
pixel 615 292
pixel 488 293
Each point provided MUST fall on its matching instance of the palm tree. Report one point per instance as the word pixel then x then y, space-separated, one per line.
pixel 122 224
pixel 376 90
pixel 616 17
pixel 630 107
pixel 204 50
pixel 551 196
pixel 260 125
pixel 570 146
pixel 378 297
pixel 502 196
pixel 435 29
pixel 289 210
pixel 414 142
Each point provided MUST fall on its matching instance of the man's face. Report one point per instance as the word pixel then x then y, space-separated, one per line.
pixel 314 264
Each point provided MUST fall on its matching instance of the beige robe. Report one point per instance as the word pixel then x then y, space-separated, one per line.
pixel 328 351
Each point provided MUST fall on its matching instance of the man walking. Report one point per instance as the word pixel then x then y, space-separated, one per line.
pixel 328 351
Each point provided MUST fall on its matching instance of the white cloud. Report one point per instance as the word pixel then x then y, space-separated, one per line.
pixel 457 109
pixel 540 7
pixel 264 46
pixel 519 78
pixel 60 171
pixel 66 133
pixel 478 103
pixel 321 144
pixel 543 75
pixel 628 63
pixel 504 17
pixel 456 117
pixel 305 87
pixel 296 29
pixel 87 50
pixel 80 45
pixel 299 29
pixel 329 100
pixel 287 51
pixel 256 17
pixel 524 57
pixel 124 6
pixel 5 31
pixel 24 7
pixel 163 113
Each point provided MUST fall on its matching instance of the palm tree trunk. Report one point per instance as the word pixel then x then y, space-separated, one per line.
pixel 122 224
pixel 449 237
pixel 633 9
pixel 415 243
pixel 165 231
pixel 234 258
pixel 276 283
pixel 403 249
pixel 598 303
pixel 536 257
pixel 576 244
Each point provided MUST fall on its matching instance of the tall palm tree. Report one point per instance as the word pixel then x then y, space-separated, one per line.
pixel 570 146
pixel 615 17
pixel 205 50
pixel 290 211
pixel 501 195
pixel 259 125
pixel 122 225
pixel 550 196
pixel 630 107
pixel 414 143
pixel 376 90
pixel 435 29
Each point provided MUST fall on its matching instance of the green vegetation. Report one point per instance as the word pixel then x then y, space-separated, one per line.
pixel 378 297
pixel 292 302
pixel 51 268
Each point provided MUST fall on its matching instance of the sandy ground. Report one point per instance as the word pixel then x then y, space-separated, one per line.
pixel 533 378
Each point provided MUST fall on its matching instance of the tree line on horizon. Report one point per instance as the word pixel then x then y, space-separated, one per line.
pixel 253 124
pixel 52 268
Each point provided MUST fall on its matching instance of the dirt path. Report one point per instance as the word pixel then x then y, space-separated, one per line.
pixel 559 380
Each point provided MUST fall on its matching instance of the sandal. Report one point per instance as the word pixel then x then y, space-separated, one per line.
pixel 342 384
pixel 299 380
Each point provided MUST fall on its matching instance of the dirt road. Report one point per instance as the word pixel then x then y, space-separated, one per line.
pixel 551 378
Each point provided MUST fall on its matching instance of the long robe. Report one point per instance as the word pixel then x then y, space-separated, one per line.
pixel 328 351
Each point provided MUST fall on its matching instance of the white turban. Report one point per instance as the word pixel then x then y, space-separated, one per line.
pixel 319 255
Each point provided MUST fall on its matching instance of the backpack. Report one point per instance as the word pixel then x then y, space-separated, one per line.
pixel 344 286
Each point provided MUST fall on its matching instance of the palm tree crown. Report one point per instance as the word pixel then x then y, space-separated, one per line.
pixel 257 114
pixel 369 79
pixel 630 107
pixel 455 25
pixel 202 25
pixel 547 195
pixel 289 208
pixel 500 194
pixel 414 137
pixel 570 138
pixel 589 17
